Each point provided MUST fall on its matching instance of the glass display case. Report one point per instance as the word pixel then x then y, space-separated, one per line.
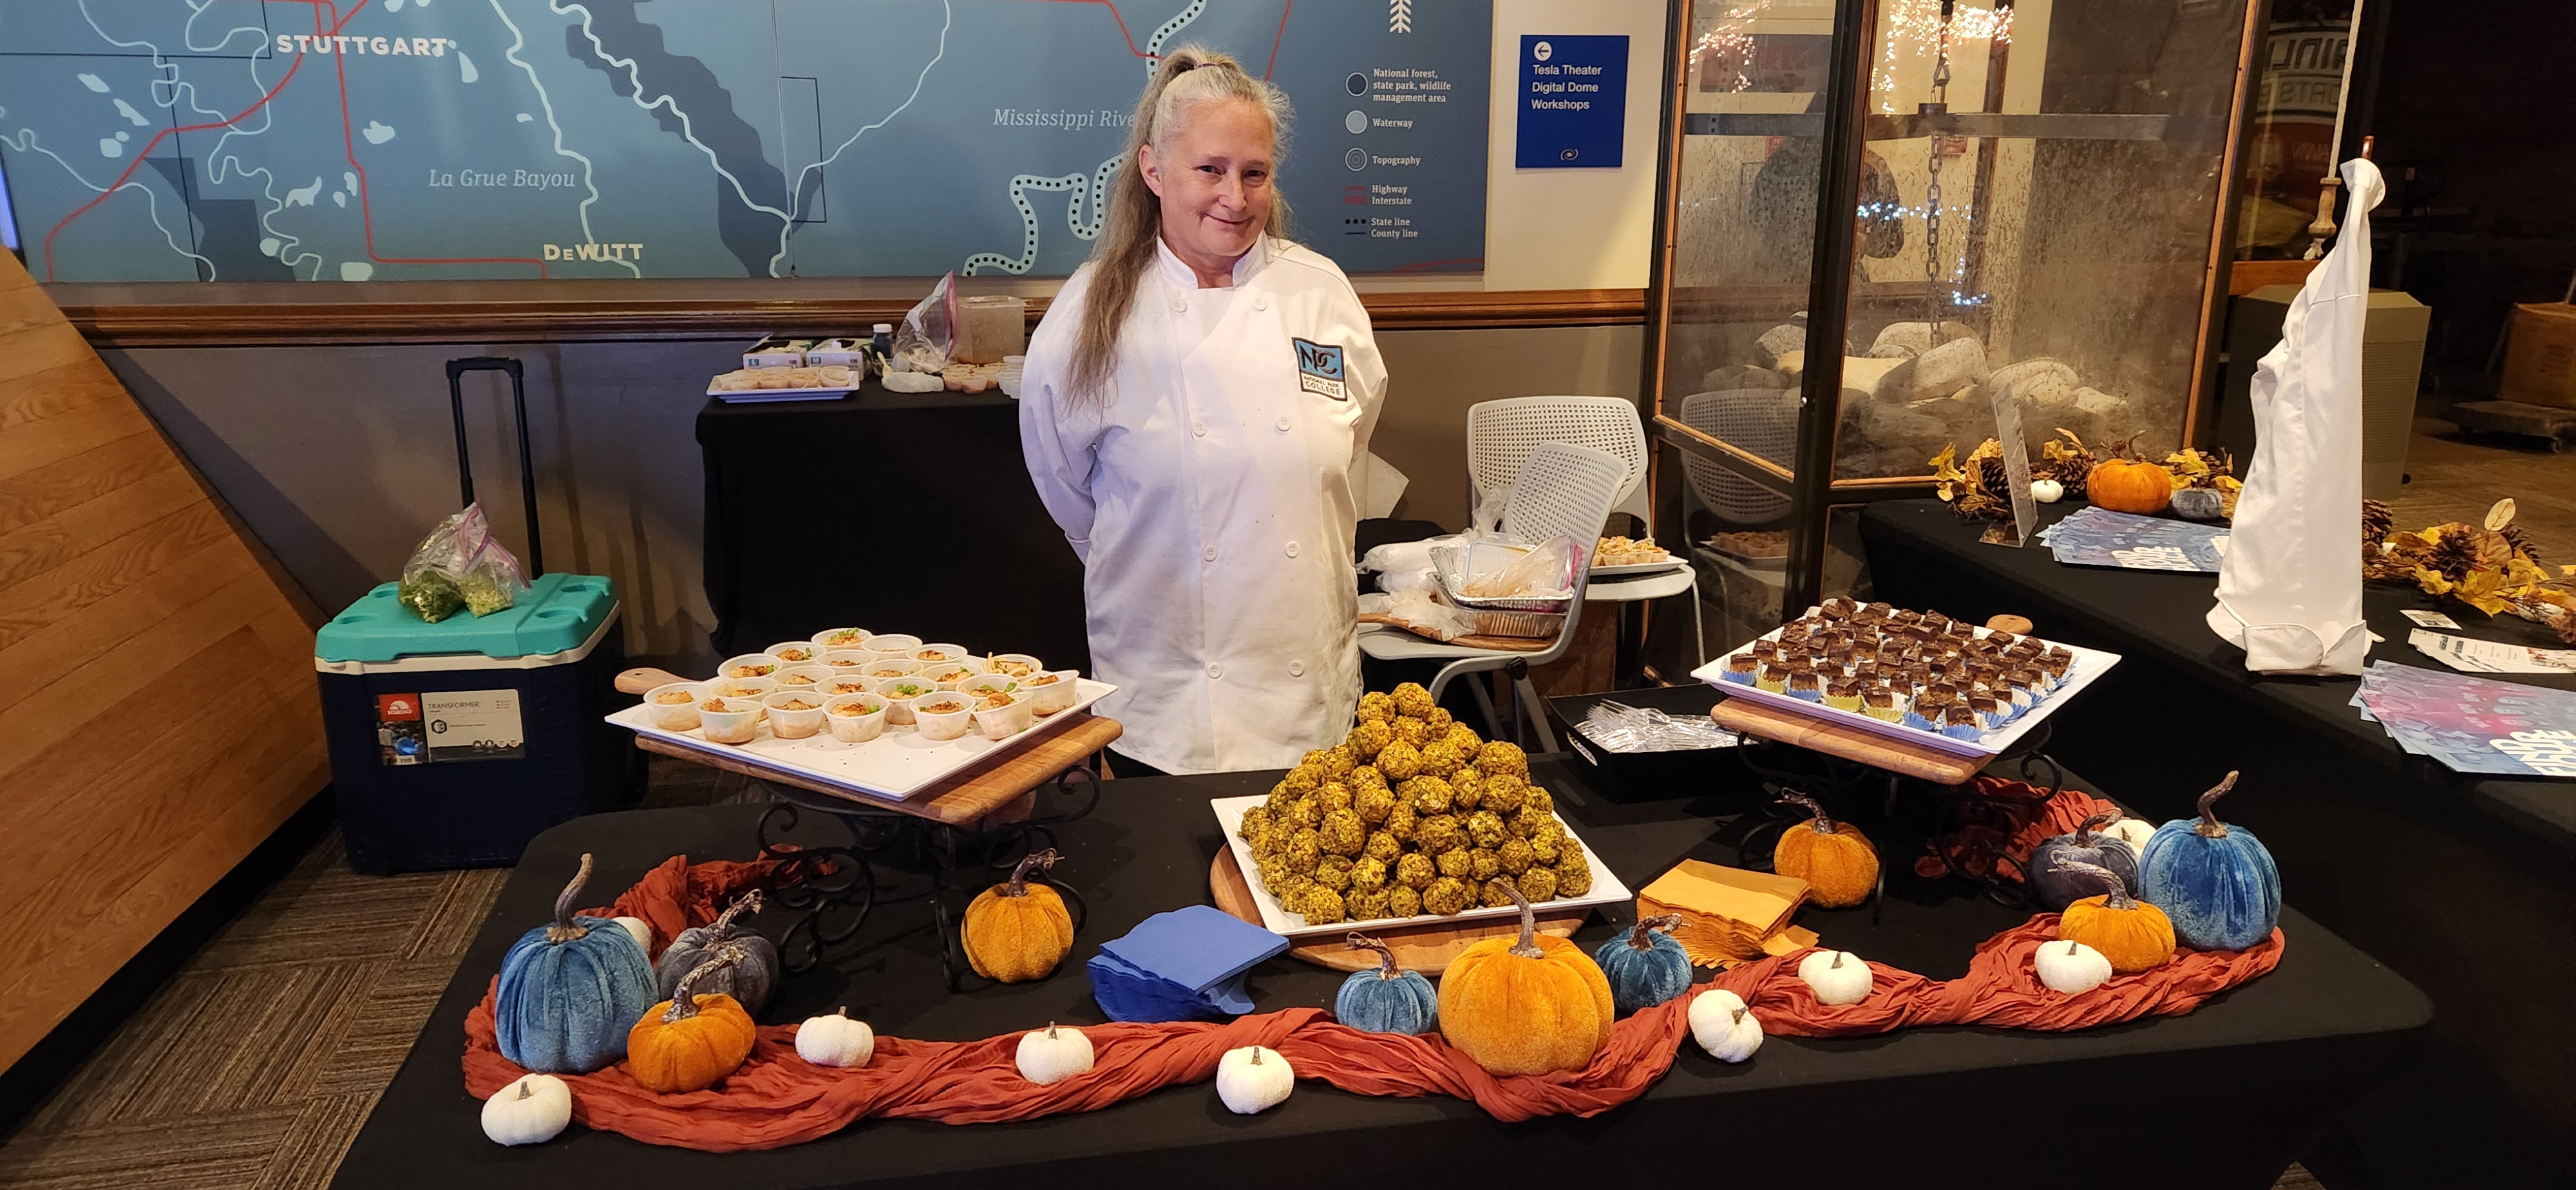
pixel 1974 201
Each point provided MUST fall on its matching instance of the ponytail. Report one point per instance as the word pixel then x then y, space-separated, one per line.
pixel 1185 79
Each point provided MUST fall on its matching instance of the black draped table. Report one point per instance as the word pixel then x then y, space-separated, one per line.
pixel 2432 871
pixel 2224 1096
pixel 893 512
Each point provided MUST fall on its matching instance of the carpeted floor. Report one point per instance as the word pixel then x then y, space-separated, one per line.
pixel 255 1066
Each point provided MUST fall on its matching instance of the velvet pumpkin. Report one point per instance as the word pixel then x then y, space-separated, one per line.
pixel 1386 1000
pixel 751 982
pixel 1834 858
pixel 2134 935
pixel 2129 485
pixel 569 990
pixel 1647 965
pixel 2054 887
pixel 1016 931
pixel 1530 1006
pixel 692 1041
pixel 2218 882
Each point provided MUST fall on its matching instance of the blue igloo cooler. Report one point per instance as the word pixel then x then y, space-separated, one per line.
pixel 453 744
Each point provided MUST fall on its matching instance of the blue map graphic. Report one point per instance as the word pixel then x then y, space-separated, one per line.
pixel 352 140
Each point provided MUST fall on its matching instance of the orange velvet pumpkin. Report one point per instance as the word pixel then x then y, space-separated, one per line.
pixel 1528 1006
pixel 691 1042
pixel 2134 935
pixel 1834 858
pixel 1016 931
pixel 2129 485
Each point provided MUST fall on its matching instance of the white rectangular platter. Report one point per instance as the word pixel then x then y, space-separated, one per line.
pixel 754 396
pixel 2089 664
pixel 895 765
pixel 1606 889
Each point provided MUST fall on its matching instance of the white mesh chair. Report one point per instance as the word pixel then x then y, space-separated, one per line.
pixel 1763 421
pixel 1562 491
pixel 1500 436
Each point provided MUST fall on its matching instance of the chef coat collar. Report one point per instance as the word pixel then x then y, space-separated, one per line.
pixel 1179 273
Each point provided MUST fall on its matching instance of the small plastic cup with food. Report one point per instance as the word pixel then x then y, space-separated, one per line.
pixel 934 654
pixel 890 644
pixel 795 652
pixel 1012 665
pixel 750 665
pixel 951 675
pixel 891 667
pixel 801 677
pixel 856 718
pixel 1000 714
pixel 794 714
pixel 1050 691
pixel 754 689
pixel 943 715
pixel 840 684
pixel 899 694
pixel 849 660
pixel 674 707
pixel 840 638
pixel 729 720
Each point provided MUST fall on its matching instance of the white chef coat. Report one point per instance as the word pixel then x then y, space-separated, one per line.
pixel 1210 502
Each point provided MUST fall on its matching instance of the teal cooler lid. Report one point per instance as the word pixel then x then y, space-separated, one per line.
pixel 558 614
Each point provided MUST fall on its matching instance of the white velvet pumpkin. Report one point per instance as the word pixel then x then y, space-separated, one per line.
pixel 1722 1024
pixel 532 1110
pixel 641 930
pixel 1053 1054
pixel 2133 831
pixel 1252 1080
pixel 1835 976
pixel 836 1040
pixel 2071 967
pixel 2047 491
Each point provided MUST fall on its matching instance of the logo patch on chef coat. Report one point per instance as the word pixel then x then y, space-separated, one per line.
pixel 1319 370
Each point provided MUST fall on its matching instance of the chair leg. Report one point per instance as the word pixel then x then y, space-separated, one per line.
pixel 1530 704
pixel 1699 637
pixel 1485 703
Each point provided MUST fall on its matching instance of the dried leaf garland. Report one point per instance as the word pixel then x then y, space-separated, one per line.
pixel 2489 567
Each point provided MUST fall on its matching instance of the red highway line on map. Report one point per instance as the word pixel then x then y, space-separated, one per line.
pixel 1131 38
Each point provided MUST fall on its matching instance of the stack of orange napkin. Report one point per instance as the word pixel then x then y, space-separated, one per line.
pixel 1729 916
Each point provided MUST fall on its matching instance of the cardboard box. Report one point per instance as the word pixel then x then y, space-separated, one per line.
pixel 776 351
pixel 2540 355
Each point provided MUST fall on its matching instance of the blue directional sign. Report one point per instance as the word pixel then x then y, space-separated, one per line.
pixel 1573 101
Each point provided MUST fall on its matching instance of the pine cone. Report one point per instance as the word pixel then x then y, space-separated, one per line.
pixel 2377 522
pixel 2521 542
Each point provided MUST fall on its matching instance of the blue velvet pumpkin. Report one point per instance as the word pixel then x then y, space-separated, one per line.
pixel 1647 966
pixel 2217 882
pixel 571 990
pixel 751 982
pixel 2054 886
pixel 1386 1000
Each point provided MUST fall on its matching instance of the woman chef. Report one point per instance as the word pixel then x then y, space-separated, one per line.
pixel 1190 410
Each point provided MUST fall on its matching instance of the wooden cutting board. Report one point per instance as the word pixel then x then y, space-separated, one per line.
pixel 1426 948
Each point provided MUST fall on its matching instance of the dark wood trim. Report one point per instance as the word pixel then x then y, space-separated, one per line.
pixel 481 320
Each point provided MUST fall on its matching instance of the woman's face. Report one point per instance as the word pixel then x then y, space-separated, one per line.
pixel 1214 182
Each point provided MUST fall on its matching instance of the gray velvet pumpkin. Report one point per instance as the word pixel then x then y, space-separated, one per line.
pixel 750 982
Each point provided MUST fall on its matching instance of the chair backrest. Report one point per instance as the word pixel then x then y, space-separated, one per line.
pixel 1763 421
pixel 1565 490
pixel 1501 434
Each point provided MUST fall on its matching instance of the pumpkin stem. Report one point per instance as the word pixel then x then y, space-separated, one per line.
pixel 1386 968
pixel 746 903
pixel 523 1088
pixel 1824 825
pixel 2093 826
pixel 1050 1030
pixel 1642 937
pixel 2209 827
pixel 1739 1015
pixel 684 998
pixel 1019 884
pixel 1837 964
pixel 2115 891
pixel 565 929
pixel 1256 1056
pixel 1527 947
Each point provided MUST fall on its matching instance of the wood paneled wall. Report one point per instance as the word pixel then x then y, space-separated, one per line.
pixel 158 714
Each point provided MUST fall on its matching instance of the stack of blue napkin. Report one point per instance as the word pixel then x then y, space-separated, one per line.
pixel 1179 966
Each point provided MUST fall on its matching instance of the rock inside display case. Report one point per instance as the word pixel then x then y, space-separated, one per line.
pixel 2037 219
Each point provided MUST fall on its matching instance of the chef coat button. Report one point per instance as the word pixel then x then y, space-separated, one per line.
pixel 1296 669
pixel 1216 671
pixel 1283 425
pixel 1209 553
pixel 1292 549
pixel 1261 303
pixel 1199 428
pixel 1179 306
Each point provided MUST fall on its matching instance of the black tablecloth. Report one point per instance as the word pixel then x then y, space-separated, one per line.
pixel 2222 1097
pixel 2426 869
pixel 886 511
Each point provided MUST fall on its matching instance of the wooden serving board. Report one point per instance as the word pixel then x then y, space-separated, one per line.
pixel 1846 741
pixel 1426 948
pixel 1499 644
pixel 978 799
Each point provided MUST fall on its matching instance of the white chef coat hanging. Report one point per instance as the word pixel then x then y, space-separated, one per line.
pixel 1211 503
pixel 2289 587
